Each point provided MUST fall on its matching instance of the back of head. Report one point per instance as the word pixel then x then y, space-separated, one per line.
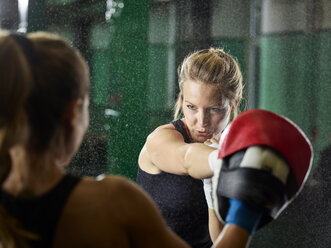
pixel 215 67
pixel 60 75
pixel 40 74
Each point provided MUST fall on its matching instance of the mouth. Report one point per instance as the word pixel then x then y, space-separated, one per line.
pixel 203 133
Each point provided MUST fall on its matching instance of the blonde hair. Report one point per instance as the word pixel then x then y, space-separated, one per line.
pixel 211 66
pixel 40 74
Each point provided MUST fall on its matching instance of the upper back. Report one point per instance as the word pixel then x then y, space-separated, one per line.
pixel 112 212
pixel 40 214
pixel 93 215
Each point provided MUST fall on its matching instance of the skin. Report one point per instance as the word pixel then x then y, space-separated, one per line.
pixel 112 212
pixel 206 114
pixel 232 236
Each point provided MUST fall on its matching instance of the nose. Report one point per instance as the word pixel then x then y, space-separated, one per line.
pixel 203 118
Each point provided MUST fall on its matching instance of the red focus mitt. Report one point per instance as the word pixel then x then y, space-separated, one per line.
pixel 265 160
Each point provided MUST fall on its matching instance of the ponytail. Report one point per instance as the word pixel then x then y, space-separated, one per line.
pixel 12 234
pixel 15 84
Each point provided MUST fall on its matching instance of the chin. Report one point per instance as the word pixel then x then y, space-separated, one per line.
pixel 200 139
pixel 65 160
pixel 64 163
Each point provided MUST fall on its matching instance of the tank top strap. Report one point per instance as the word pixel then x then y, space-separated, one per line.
pixel 181 127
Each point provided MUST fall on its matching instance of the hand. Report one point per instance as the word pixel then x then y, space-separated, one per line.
pixel 212 143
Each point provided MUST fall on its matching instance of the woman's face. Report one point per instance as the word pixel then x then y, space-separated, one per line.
pixel 205 113
pixel 82 120
pixel 79 123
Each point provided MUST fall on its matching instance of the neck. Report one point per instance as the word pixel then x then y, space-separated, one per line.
pixel 31 176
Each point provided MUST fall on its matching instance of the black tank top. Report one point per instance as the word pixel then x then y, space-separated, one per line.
pixel 40 215
pixel 181 201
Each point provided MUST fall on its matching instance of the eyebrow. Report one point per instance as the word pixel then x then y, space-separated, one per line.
pixel 212 106
pixel 188 102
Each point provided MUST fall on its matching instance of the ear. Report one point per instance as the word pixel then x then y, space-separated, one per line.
pixel 235 105
pixel 71 115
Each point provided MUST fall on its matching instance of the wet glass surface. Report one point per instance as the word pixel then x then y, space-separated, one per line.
pixel 134 48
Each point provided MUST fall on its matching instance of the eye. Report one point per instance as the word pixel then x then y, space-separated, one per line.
pixel 191 107
pixel 217 110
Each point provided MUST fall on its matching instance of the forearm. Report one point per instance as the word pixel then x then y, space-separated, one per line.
pixel 215 226
pixel 232 236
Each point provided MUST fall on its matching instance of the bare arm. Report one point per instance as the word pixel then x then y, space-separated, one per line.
pixel 232 236
pixel 215 226
pixel 165 149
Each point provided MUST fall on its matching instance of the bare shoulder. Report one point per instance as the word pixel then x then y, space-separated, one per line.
pixel 165 148
pixel 164 128
pixel 167 126
pixel 159 135
pixel 96 213
pixel 164 131
pixel 111 192
pixel 115 187
pixel 161 145
pixel 112 212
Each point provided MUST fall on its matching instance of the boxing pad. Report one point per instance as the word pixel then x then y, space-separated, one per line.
pixel 264 161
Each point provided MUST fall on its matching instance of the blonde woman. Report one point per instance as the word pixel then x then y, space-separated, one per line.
pixel 210 84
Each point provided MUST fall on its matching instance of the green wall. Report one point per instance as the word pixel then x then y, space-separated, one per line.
pixel 322 87
pixel 159 78
pixel 285 79
pixel 295 82
pixel 37 18
pixel 129 71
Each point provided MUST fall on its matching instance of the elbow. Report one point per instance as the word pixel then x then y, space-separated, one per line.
pixel 187 163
